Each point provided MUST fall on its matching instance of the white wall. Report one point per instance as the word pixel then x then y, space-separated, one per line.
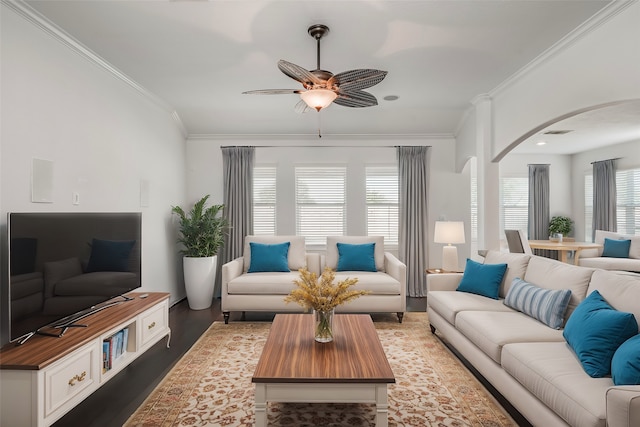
pixel 449 192
pixel 102 136
pixel 629 158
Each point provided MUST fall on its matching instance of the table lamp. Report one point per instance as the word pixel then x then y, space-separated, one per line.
pixel 449 232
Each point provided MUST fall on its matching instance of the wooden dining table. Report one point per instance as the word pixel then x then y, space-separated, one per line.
pixel 564 248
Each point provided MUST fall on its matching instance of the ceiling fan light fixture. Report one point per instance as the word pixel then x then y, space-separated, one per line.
pixel 318 98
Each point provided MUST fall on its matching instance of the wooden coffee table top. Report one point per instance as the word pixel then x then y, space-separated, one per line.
pixel 291 355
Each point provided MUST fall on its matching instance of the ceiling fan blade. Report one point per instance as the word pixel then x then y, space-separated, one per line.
pixel 271 91
pixel 296 72
pixel 357 79
pixel 356 99
pixel 301 107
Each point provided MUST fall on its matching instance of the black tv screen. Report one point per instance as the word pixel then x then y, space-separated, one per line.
pixel 63 263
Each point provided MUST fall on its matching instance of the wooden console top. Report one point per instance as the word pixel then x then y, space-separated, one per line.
pixel 40 351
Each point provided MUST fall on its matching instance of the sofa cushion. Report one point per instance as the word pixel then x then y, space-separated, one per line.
pixel 356 257
pixel 622 291
pixel 263 284
pixel 607 263
pixel 482 279
pixel 550 371
pixel 448 304
pixel 297 252
pixel 110 255
pixel 625 365
pixel 332 255
pixel 269 257
pixel 600 235
pixel 490 331
pixel 545 305
pixel 377 283
pixel 551 274
pixel 616 248
pixel 595 330
pixel 516 267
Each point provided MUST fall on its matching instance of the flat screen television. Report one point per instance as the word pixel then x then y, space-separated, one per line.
pixel 63 266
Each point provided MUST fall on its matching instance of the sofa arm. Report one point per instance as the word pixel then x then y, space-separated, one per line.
pixel 230 271
pixel 623 406
pixel 396 269
pixel 443 282
pixel 313 263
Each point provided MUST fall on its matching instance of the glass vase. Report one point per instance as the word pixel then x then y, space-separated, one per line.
pixel 323 325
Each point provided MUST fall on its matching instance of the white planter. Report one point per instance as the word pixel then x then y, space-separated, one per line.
pixel 199 280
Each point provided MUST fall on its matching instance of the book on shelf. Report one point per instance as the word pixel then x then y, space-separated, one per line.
pixel 113 348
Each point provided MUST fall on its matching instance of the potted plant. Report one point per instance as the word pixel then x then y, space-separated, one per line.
pixel 201 234
pixel 560 226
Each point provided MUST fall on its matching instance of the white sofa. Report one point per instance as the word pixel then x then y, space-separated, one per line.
pixel 265 291
pixel 529 363
pixel 593 257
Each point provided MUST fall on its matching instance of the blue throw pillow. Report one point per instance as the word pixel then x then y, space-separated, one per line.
pixel 545 305
pixel 110 255
pixel 625 366
pixel 595 330
pixel 356 257
pixel 616 248
pixel 482 279
pixel 269 257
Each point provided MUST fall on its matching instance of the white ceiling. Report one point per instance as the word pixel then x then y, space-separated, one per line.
pixel 199 56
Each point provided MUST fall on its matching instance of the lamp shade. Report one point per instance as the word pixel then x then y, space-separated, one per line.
pixel 318 98
pixel 449 232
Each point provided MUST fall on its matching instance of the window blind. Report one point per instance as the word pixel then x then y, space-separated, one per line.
pixel 264 200
pixel 628 201
pixel 514 203
pixel 382 203
pixel 320 202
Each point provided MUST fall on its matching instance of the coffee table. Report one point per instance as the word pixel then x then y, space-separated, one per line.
pixel 294 367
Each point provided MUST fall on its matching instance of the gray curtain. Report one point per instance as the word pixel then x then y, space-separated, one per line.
pixel 237 164
pixel 604 196
pixel 413 180
pixel 539 207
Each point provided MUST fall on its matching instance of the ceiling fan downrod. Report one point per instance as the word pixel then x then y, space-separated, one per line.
pixel 318 31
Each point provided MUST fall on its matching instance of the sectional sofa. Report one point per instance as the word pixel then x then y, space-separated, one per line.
pixel 532 364
pixel 264 290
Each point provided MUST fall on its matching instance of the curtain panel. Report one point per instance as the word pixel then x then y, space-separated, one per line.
pixel 413 183
pixel 237 164
pixel 604 196
pixel 539 207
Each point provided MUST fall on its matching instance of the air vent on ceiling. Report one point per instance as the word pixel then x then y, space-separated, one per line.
pixel 557 132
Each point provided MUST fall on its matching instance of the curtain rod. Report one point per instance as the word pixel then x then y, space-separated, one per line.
pixel 615 158
pixel 324 146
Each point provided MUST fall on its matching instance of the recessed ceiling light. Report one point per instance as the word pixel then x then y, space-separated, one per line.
pixel 391 97
pixel 541 143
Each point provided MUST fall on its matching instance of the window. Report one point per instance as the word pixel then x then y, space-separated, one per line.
pixel 382 203
pixel 473 173
pixel 627 202
pixel 514 203
pixel 264 200
pixel 320 202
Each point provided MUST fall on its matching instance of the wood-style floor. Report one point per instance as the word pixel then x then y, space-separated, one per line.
pixel 114 402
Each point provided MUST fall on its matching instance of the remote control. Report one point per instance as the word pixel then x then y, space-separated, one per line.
pixel 144 295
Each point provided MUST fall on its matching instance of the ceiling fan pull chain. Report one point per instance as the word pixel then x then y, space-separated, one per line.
pixel 319 125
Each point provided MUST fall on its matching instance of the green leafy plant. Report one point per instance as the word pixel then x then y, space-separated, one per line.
pixel 202 229
pixel 560 224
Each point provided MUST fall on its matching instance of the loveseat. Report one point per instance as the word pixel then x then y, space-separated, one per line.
pixel 530 363
pixel 620 258
pixel 248 286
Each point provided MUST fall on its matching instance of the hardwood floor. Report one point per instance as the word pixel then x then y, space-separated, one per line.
pixel 113 403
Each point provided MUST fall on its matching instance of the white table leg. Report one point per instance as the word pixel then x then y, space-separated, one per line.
pixel 382 406
pixel 261 405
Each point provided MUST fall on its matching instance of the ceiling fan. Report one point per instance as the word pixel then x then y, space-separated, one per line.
pixel 322 87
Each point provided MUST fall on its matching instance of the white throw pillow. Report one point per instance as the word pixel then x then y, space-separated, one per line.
pixel 297 251
pixel 332 248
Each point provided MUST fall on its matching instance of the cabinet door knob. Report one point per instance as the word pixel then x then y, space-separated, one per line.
pixel 78 378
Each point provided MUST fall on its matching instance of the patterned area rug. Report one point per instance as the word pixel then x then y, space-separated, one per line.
pixel 211 384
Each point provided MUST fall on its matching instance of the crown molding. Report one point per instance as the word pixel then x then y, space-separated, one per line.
pixel 314 137
pixel 601 17
pixel 40 21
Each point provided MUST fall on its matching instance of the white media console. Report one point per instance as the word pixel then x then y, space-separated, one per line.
pixel 46 377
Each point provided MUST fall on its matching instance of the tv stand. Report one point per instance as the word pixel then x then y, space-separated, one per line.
pixel 46 378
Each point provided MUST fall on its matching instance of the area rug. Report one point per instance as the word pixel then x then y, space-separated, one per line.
pixel 211 384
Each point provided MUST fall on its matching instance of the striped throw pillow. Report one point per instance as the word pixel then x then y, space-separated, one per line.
pixel 545 305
